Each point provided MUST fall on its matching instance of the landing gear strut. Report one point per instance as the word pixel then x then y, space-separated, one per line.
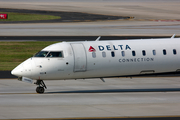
pixel 41 86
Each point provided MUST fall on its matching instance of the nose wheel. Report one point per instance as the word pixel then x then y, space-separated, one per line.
pixel 41 86
pixel 40 90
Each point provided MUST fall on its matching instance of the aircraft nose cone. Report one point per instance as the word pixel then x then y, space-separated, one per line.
pixel 17 71
pixel 23 70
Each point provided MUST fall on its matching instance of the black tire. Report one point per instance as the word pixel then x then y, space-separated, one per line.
pixel 40 90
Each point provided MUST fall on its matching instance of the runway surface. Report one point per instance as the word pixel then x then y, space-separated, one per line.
pixel 136 28
pixel 65 16
pixel 117 97
pixel 75 38
pixel 154 18
pixel 161 9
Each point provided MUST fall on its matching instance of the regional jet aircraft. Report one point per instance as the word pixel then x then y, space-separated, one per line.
pixel 101 59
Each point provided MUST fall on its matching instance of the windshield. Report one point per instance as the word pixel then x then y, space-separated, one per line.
pixel 41 54
pixel 55 54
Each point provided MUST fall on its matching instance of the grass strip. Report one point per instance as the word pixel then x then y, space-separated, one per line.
pixel 27 17
pixel 13 53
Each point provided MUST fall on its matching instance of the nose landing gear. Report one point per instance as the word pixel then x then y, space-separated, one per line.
pixel 41 86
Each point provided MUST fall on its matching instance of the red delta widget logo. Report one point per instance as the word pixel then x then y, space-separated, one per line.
pixel 91 49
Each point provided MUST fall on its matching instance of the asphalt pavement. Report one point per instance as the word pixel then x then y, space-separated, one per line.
pixel 65 16
pixel 117 98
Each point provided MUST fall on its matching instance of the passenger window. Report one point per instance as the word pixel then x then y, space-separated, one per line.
pixel 143 52
pixel 103 54
pixel 93 54
pixel 55 54
pixel 164 52
pixel 174 51
pixel 41 54
pixel 123 53
pixel 133 53
pixel 112 54
pixel 154 52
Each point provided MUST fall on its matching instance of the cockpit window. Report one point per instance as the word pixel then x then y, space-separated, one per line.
pixel 41 54
pixel 55 54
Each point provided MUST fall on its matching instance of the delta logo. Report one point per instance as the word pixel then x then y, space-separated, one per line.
pixel 109 48
pixel 91 49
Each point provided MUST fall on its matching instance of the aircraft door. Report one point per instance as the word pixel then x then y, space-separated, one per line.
pixel 80 60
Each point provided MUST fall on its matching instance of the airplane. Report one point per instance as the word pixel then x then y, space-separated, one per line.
pixel 101 59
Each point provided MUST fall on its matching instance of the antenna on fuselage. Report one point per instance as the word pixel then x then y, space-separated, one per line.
pixel 173 36
pixel 102 79
pixel 98 38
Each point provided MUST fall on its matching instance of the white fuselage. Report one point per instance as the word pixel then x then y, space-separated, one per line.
pixel 98 59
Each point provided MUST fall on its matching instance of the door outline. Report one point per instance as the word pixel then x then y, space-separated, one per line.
pixel 80 57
